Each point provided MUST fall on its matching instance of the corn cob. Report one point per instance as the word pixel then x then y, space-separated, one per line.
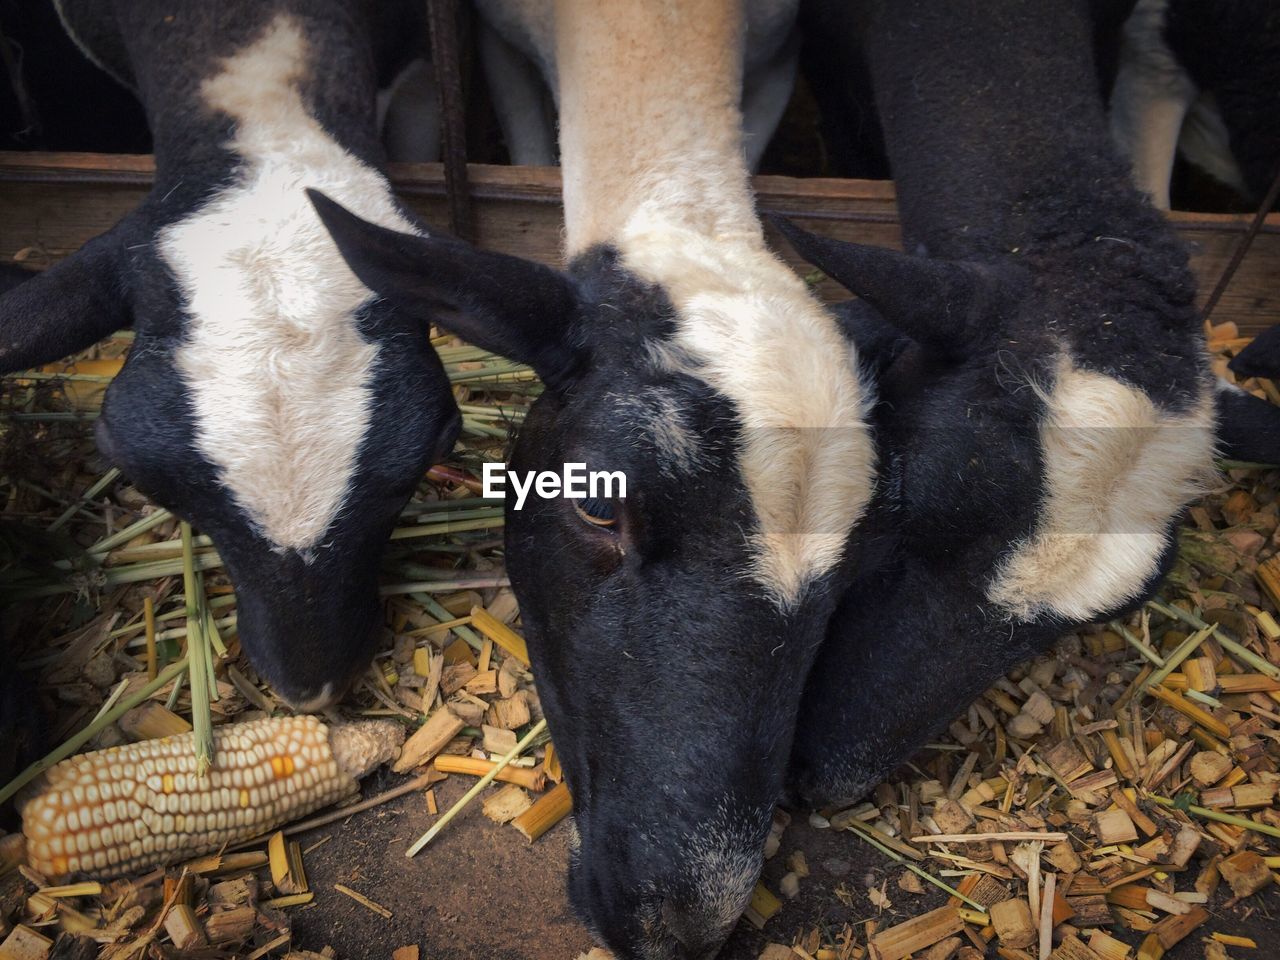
pixel 138 806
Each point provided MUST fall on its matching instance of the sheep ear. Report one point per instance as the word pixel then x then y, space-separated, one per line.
pixel 11 277
pixel 938 303
pixel 877 341
pixel 1261 358
pixel 70 306
pixel 1248 428
pixel 514 307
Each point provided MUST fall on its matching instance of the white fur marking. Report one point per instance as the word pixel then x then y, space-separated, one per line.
pixel 1116 469
pixel 659 417
pixel 676 441
pixel 759 338
pixel 277 370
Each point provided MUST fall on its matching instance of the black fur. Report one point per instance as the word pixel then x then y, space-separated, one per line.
pixel 1261 358
pixel 56 98
pixel 306 626
pixel 78 302
pixel 11 277
pixel 1004 169
pixel 834 63
pixel 1108 17
pixel 1249 428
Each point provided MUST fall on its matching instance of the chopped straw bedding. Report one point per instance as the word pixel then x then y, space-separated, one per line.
pixel 1114 799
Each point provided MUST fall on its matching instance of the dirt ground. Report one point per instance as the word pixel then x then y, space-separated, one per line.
pixel 481 891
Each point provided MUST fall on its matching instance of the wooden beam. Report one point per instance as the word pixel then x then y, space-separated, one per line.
pixel 54 202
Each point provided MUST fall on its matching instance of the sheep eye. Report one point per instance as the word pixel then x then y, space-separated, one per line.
pixel 597 512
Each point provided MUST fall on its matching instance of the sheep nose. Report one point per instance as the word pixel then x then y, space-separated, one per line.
pixel 699 937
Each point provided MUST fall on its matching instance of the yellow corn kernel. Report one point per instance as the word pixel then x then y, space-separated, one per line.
pixel 282 766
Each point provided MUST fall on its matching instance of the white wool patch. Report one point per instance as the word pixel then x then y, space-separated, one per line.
pixel 1117 469
pixel 756 335
pixel 278 373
